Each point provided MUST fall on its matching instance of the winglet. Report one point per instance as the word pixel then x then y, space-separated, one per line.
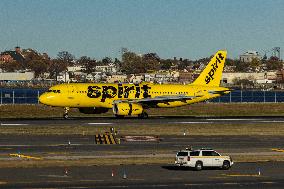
pixel 212 74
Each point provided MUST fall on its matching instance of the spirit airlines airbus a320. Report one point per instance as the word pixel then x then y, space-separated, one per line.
pixel 134 99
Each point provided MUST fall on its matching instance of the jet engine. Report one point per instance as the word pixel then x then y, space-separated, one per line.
pixel 93 110
pixel 124 109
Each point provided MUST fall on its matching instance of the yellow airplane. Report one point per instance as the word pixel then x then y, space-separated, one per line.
pixel 133 99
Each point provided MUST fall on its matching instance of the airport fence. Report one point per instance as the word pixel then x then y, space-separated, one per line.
pixel 20 96
pixel 30 96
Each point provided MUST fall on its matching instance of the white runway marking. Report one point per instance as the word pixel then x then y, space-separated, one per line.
pixel 54 176
pixel 230 119
pixel 100 123
pixel 272 121
pixel 187 122
pixel 12 124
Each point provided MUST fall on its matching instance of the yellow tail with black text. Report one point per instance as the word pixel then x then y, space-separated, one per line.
pixel 212 74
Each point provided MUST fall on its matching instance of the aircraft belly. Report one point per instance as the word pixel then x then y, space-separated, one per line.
pixel 171 104
pixel 88 102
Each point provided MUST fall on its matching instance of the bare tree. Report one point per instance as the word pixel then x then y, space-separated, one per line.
pixel 88 63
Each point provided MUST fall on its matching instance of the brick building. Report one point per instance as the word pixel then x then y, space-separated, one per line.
pixel 9 56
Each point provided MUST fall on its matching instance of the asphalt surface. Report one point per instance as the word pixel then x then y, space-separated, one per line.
pixel 241 175
pixel 153 120
pixel 79 145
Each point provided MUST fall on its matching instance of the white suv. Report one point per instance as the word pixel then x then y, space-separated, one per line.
pixel 202 158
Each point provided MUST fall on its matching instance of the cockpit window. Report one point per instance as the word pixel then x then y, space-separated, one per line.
pixel 53 91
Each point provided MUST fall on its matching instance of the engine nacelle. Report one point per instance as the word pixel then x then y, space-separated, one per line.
pixel 124 109
pixel 93 110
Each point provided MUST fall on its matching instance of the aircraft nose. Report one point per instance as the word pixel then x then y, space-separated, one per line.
pixel 43 99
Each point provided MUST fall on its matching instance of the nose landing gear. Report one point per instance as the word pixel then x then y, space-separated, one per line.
pixel 65 115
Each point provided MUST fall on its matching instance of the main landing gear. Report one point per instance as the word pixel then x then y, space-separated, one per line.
pixel 65 115
pixel 119 116
pixel 143 115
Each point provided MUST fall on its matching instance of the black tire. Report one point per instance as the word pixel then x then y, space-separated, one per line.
pixel 119 116
pixel 65 116
pixel 198 166
pixel 143 115
pixel 226 165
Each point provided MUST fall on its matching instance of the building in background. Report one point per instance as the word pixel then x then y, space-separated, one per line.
pixel 9 56
pixel 249 56
pixel 264 77
pixel 17 76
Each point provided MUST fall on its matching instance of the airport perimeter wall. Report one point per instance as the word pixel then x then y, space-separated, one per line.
pixel 30 96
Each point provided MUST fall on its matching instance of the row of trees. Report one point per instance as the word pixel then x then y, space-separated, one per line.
pixel 130 63
pixel 273 63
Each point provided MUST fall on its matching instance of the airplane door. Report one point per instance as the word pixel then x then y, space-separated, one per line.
pixel 71 96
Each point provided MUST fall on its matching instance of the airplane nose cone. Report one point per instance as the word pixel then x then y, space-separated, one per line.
pixel 43 99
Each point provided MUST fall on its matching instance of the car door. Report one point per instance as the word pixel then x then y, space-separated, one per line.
pixel 216 159
pixel 207 158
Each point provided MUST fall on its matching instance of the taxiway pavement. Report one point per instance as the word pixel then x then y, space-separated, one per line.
pixel 153 120
pixel 242 175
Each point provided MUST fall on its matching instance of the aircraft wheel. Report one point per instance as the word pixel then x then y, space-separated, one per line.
pixel 119 116
pixel 143 115
pixel 65 116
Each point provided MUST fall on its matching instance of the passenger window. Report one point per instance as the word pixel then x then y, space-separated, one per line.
pixel 207 153
pixel 182 154
pixel 194 153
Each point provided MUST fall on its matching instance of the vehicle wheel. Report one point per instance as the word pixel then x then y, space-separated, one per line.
pixel 198 166
pixel 65 116
pixel 226 165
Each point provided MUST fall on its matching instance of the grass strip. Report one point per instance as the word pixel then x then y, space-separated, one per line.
pixel 200 109
pixel 159 129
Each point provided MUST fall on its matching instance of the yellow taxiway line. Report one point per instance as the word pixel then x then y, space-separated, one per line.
pixel 27 157
pixel 277 150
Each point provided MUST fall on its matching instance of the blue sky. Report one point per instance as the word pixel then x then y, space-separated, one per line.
pixel 182 28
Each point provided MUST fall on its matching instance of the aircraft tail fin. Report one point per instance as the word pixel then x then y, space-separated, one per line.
pixel 212 74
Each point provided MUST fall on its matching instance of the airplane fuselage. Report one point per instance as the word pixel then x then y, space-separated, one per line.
pixel 133 99
pixel 104 94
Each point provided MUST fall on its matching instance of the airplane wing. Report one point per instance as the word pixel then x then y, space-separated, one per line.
pixel 158 99
pixel 223 92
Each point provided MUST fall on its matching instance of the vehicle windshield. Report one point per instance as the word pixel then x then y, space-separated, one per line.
pixel 182 154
